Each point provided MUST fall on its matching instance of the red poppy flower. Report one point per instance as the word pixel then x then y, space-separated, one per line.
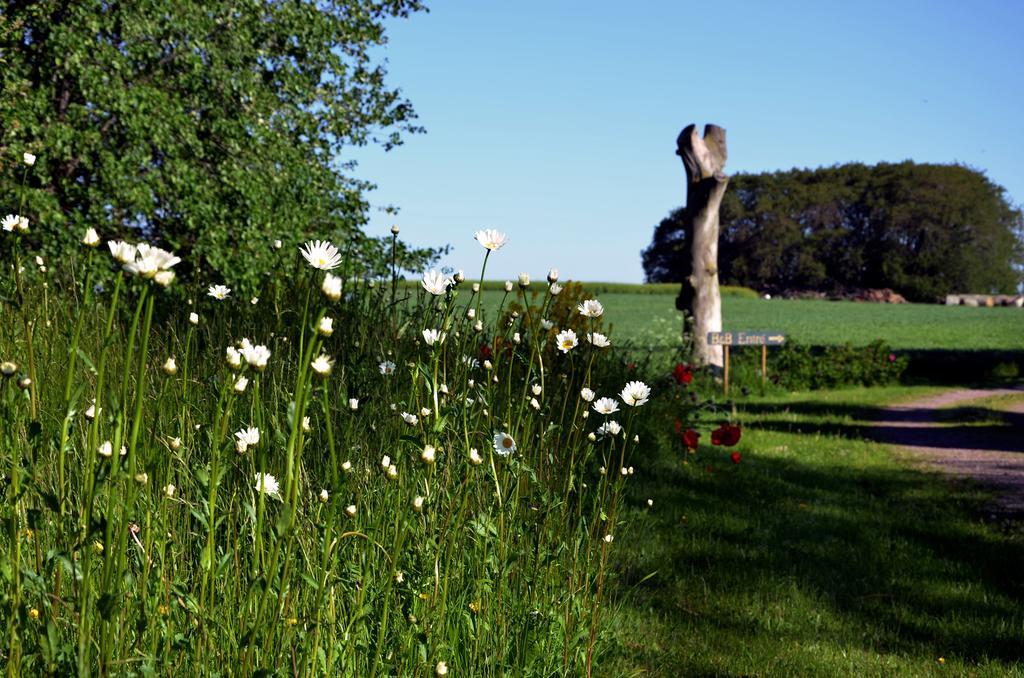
pixel 690 439
pixel 725 435
pixel 682 373
pixel 735 456
pixel 485 352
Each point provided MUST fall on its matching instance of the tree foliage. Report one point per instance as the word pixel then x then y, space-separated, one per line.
pixel 212 127
pixel 923 230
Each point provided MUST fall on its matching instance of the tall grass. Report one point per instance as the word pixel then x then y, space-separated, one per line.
pixel 364 501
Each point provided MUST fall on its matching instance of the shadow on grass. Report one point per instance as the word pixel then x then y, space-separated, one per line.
pixel 967 427
pixel 776 553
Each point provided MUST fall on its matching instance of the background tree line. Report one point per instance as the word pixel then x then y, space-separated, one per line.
pixel 923 230
pixel 209 127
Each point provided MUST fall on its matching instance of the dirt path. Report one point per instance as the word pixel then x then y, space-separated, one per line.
pixel 934 435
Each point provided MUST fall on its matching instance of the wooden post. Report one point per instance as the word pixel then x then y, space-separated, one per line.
pixel 725 369
pixel 764 365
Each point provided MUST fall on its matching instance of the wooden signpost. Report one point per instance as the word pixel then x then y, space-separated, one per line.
pixel 762 339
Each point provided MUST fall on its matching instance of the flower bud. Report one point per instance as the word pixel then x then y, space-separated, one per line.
pixel 394 229
pixel 553 276
pixel 524 280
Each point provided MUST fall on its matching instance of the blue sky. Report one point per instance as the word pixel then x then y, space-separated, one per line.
pixel 556 121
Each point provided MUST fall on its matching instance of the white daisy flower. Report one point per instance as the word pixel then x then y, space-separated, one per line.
pixel 566 340
pixel 91 238
pixel 508 285
pixel 121 251
pixel 636 393
pixel 546 324
pixel 267 484
pixel 435 282
pixel 169 490
pixel 353 404
pixel 417 504
pixel 503 444
pixel 387 367
pixel 612 428
pixel 326 326
pixel 606 406
pixel 429 455
pixel 155 257
pixel 555 289
pixel 322 365
pixel 537 389
pixel 331 287
pixel 219 292
pixel 233 357
pixel 13 222
pixel 247 437
pixel 491 239
pixel 591 308
pixel 410 419
pixel 598 340
pixel 324 496
pixel 433 337
pixel 193 318
pixel 106 449
pixel 474 457
pixel 424 412
pixel 256 356
pixel 586 394
pixel 350 510
pixel 241 384
pixel 28 158
pixel 164 278
pixel 321 255
pixel 170 367
pixel 524 280
pixel 534 404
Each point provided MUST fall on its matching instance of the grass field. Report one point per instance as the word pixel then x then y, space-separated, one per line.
pixel 820 554
pixel 652 320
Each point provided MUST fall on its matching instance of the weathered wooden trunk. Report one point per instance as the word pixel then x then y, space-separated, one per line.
pixel 700 298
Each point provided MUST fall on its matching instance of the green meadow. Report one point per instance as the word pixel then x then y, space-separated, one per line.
pixel 648 317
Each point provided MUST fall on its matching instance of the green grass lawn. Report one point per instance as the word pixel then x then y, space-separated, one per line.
pixel 820 554
pixel 652 320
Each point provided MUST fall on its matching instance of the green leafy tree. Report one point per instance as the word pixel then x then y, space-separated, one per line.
pixel 923 230
pixel 212 127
